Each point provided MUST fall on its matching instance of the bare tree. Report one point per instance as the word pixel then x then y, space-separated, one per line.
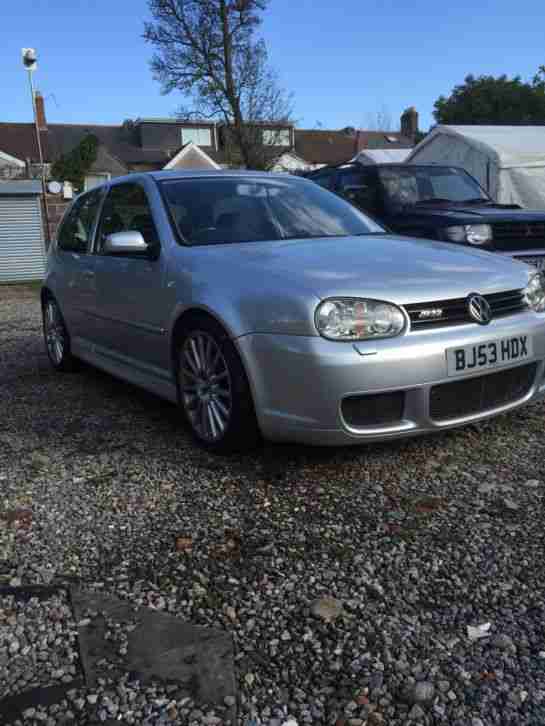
pixel 379 120
pixel 207 49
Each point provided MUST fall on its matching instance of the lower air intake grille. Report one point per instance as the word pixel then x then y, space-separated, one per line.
pixel 380 409
pixel 477 395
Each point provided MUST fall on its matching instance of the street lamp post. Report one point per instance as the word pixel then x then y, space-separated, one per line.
pixel 30 62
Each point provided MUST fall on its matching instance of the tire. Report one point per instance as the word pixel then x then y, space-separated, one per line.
pixel 56 338
pixel 213 390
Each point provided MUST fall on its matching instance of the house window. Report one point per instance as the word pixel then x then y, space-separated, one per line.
pixel 93 180
pixel 276 137
pixel 201 137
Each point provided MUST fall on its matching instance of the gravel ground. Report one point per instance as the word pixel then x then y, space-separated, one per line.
pixel 392 584
pixel 39 639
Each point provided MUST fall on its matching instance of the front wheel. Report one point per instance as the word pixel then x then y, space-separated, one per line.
pixel 57 340
pixel 213 389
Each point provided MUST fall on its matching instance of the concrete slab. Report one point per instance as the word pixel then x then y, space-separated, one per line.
pixel 161 647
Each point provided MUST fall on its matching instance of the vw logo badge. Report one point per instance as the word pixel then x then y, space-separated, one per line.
pixel 479 309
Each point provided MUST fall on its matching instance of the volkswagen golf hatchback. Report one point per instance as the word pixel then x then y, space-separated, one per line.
pixel 266 305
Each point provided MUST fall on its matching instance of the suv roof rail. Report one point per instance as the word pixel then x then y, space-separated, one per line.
pixel 333 166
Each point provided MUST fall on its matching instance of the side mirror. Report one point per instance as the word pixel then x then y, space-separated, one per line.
pixel 130 242
pixel 361 195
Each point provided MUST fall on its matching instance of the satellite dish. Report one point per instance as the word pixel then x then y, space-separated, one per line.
pixel 54 187
pixel 30 60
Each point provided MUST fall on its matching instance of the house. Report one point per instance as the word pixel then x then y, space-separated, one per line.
pixel 144 144
pixel 167 143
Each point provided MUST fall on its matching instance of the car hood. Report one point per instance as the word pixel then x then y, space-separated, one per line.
pixel 479 214
pixel 387 267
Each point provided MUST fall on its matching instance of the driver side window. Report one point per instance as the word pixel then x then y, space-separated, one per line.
pixel 359 188
pixel 125 209
pixel 76 231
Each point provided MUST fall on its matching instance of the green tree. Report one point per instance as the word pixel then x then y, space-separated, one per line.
pixel 74 165
pixel 208 50
pixel 487 99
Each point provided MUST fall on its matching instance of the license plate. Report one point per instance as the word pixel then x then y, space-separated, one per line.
pixel 537 262
pixel 492 354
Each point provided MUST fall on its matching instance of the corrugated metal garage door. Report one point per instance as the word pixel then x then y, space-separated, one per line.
pixel 22 254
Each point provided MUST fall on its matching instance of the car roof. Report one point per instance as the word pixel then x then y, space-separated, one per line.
pixel 390 164
pixel 201 173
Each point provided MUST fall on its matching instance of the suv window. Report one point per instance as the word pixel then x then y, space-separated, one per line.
pixel 76 232
pixel 360 187
pixel 127 208
pixel 324 179
pixel 350 178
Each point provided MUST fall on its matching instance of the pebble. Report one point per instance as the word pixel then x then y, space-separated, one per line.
pixel 424 692
pixel 417 713
pixel 327 609
pixel 503 641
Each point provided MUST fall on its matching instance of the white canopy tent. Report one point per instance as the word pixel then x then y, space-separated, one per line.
pixel 382 156
pixel 508 161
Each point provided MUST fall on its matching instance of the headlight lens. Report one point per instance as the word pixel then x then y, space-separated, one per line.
pixel 475 234
pixel 357 319
pixel 535 293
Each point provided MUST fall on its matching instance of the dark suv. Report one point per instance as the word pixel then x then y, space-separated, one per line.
pixel 438 202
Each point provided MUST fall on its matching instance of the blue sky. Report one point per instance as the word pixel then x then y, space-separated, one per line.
pixel 342 60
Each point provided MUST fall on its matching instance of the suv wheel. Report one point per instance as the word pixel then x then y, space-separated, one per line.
pixel 213 390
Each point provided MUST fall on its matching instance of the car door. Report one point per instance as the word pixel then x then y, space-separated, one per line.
pixel 76 288
pixel 360 187
pixel 131 298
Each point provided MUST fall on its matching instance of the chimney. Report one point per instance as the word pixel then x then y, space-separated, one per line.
pixel 409 123
pixel 40 111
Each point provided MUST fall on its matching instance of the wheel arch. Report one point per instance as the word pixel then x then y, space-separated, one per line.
pixel 184 318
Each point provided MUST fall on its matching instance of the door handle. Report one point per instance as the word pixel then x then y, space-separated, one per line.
pixel 89 274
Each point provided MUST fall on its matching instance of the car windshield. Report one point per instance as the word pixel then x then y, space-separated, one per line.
pixel 251 209
pixel 407 186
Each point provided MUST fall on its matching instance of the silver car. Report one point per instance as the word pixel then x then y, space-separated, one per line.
pixel 265 305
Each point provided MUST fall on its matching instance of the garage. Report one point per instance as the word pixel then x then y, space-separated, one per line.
pixel 22 249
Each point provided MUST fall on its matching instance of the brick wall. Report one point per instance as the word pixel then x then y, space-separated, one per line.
pixel 55 207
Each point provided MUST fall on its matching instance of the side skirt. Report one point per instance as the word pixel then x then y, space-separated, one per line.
pixel 155 380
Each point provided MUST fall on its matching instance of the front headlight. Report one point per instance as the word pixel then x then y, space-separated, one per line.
pixel 351 318
pixel 474 234
pixel 535 293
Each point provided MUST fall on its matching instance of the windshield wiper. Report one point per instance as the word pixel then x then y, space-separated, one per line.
pixel 477 200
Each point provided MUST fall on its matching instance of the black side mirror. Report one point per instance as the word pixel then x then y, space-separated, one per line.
pixel 361 195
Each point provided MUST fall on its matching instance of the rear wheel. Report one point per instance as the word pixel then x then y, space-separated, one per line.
pixel 213 389
pixel 57 340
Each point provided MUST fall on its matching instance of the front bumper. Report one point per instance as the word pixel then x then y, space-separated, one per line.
pixel 299 382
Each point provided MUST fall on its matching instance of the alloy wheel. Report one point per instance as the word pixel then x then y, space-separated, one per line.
pixel 205 386
pixel 55 334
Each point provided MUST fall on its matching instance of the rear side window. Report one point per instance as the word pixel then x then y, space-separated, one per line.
pixel 76 232
pixel 127 208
